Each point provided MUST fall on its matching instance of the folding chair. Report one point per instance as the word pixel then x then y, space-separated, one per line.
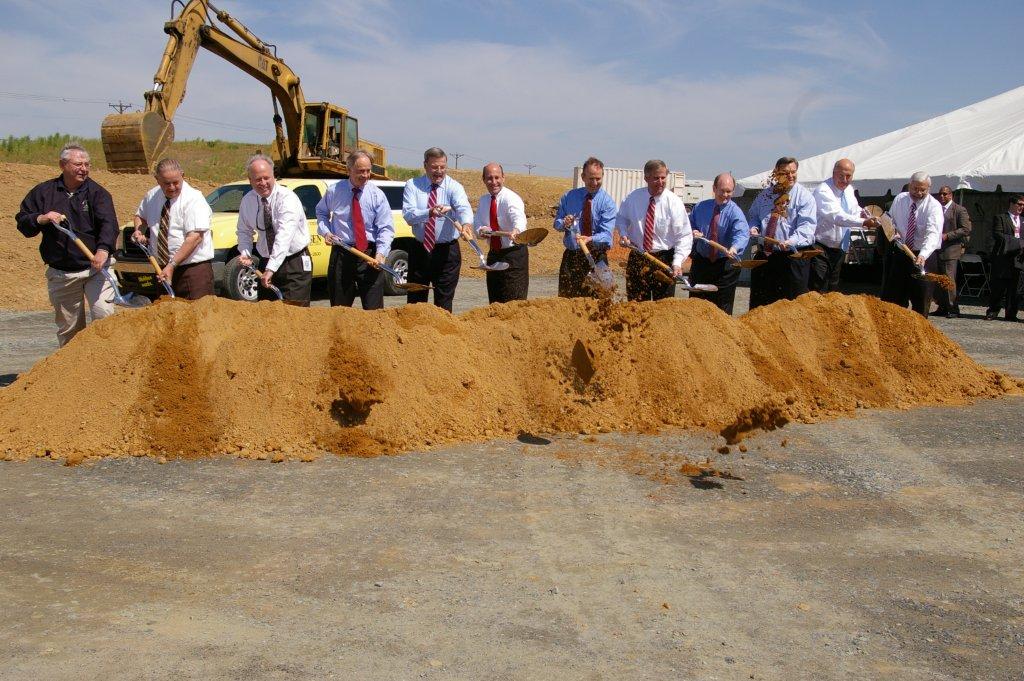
pixel 975 275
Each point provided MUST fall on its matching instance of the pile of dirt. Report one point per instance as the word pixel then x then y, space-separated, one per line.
pixel 182 379
pixel 22 280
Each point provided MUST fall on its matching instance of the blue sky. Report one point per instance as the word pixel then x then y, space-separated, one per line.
pixel 706 86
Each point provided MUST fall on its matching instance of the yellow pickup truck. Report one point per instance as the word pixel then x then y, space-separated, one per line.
pixel 232 280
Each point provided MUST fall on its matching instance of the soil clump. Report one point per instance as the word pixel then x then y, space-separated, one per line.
pixel 272 381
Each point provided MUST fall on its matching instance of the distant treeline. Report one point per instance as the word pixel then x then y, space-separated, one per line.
pixel 213 160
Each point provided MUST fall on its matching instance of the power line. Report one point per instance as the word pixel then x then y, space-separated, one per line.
pixel 120 106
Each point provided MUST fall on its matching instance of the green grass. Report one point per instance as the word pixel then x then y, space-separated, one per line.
pixel 211 160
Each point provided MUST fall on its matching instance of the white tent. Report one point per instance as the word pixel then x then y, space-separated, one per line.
pixel 976 147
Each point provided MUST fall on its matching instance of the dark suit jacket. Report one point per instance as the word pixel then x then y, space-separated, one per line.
pixel 1007 251
pixel 956 230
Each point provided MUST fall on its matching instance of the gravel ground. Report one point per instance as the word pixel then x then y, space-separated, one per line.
pixel 886 546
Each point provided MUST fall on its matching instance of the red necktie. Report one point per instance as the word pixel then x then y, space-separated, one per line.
pixel 649 227
pixel 428 229
pixel 358 226
pixel 588 216
pixel 773 223
pixel 495 240
pixel 713 231
pixel 912 225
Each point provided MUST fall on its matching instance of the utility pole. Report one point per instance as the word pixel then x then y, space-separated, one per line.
pixel 530 167
pixel 120 106
pixel 457 157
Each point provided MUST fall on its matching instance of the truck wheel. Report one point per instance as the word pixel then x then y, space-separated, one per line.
pixel 240 283
pixel 399 262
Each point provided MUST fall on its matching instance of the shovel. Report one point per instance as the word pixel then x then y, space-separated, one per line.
pixel 600 276
pixel 889 229
pixel 132 299
pixel 156 268
pixel 499 266
pixel 734 260
pixel 274 289
pixel 796 255
pixel 528 237
pixel 664 273
pixel 399 280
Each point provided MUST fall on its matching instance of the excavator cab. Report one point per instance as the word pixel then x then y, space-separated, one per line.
pixel 329 132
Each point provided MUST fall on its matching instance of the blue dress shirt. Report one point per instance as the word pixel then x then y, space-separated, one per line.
pixel 603 211
pixel 799 223
pixel 334 214
pixel 733 231
pixel 449 193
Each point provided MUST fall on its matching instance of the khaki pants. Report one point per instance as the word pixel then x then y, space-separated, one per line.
pixel 67 290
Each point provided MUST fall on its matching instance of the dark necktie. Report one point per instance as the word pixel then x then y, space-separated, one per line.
pixel 163 251
pixel 713 232
pixel 268 225
pixel 588 216
pixel 912 225
pixel 358 226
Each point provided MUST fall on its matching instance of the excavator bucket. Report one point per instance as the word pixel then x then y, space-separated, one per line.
pixel 133 142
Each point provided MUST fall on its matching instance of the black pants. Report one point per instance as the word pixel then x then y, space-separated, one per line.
pixel 782 277
pixel 573 271
pixel 513 283
pixel 948 301
pixel 899 286
pixel 1008 288
pixel 440 268
pixel 823 275
pixel 348 275
pixel 721 274
pixel 641 284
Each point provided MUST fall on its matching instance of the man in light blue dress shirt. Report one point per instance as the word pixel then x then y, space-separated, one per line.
pixel 722 221
pixel 782 276
pixel 356 213
pixel 435 257
pixel 592 211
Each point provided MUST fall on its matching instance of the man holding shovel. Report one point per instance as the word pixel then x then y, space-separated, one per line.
pixel 590 212
pixel 719 221
pixel 917 218
pixel 427 202
pixel 71 278
pixel 275 213
pixel 502 210
pixel 839 212
pixel 176 217
pixel 354 215
pixel 655 221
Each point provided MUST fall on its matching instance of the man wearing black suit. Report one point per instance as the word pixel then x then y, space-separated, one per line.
pixel 956 232
pixel 1007 260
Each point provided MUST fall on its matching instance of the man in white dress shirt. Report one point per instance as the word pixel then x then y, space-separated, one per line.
pixel 838 214
pixel 274 213
pixel 502 210
pixel 917 217
pixel 655 221
pixel 176 220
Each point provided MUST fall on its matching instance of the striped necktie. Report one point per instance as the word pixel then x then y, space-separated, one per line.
pixel 428 229
pixel 268 225
pixel 649 227
pixel 163 251
pixel 912 225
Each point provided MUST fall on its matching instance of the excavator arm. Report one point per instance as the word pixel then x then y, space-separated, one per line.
pixel 133 142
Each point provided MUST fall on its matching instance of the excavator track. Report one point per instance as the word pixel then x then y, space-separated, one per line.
pixel 133 142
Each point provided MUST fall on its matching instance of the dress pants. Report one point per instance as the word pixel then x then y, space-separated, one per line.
pixel 193 281
pixel 513 283
pixel 782 277
pixel 294 282
pixel 719 273
pixel 825 269
pixel 69 291
pixel 573 271
pixel 948 301
pixel 1007 288
pixel 440 268
pixel 899 286
pixel 641 284
pixel 348 275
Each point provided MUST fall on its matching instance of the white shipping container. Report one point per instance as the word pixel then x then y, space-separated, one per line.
pixel 619 182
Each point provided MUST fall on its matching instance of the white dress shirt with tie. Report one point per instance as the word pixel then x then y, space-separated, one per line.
pixel 291 231
pixel 838 213
pixel 189 212
pixel 511 214
pixel 928 227
pixel 671 224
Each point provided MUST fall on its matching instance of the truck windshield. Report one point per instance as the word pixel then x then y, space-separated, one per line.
pixel 228 198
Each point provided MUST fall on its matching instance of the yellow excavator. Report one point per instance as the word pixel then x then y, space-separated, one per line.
pixel 311 139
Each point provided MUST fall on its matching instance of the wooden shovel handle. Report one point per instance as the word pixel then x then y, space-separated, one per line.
pixel 364 256
pixel 718 247
pixel 583 246
pixel 657 262
pixel 906 249
pixel 84 249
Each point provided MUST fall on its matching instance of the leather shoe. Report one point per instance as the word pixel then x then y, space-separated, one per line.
pixel 952 315
pixel 989 316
